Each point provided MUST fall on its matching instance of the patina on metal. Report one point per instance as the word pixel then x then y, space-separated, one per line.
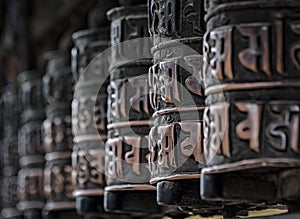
pixel 9 152
pixel 128 189
pixel 30 177
pixel 251 74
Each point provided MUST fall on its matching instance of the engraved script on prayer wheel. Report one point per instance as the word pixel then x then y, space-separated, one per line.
pixel 129 115
pixel 89 120
pixel 251 74
pixel 176 94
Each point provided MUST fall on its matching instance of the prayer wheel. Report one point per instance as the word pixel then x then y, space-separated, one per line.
pixel 31 155
pixel 177 96
pixel 89 109
pixel 251 127
pixel 58 138
pixel 128 189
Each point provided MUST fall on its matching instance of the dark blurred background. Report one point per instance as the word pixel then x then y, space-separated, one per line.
pixel 29 28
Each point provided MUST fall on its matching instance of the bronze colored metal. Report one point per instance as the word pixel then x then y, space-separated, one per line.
pixel 251 73
pixel 129 122
pixel 57 138
pixel 89 118
pixel 30 177
pixel 9 152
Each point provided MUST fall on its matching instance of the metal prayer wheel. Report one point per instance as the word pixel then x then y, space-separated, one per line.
pixel 89 109
pixel 176 93
pixel 30 177
pixel 9 152
pixel 58 138
pixel 129 115
pixel 251 73
pixel 88 44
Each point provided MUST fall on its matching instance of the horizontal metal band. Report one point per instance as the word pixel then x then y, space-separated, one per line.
pixel 251 86
pixel 177 110
pixel 31 159
pixel 129 124
pixel 10 213
pixel 176 42
pixel 88 192
pixel 253 164
pixel 57 206
pixel 222 7
pixel 29 205
pixel 175 177
pixel 128 187
pixel 90 138
pixel 57 155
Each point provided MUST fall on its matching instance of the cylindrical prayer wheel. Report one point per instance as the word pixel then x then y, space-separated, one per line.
pixel 177 96
pixel 57 137
pixel 128 189
pixel 89 113
pixel 9 152
pixel 30 177
pixel 251 74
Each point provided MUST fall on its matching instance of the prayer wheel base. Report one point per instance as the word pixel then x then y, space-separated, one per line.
pixel 133 202
pixel 185 195
pixel 89 205
pixel 60 214
pixel 269 185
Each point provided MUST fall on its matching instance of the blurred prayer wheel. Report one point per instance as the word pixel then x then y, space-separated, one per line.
pixel 57 138
pixel 30 177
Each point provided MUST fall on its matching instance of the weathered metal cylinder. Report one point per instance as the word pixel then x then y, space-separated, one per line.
pixel 177 96
pixel 57 137
pixel 251 74
pixel 89 113
pixel 30 177
pixel 9 152
pixel 129 115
